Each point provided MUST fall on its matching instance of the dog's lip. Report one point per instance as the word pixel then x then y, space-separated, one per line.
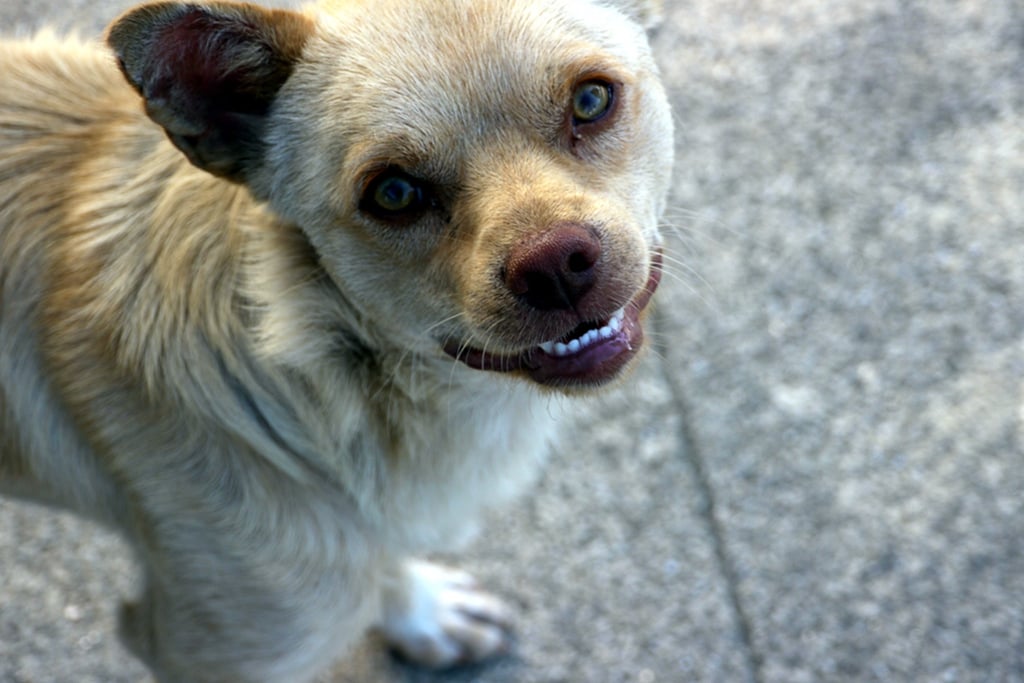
pixel 596 357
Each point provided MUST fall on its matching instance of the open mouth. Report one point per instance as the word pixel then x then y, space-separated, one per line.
pixel 592 353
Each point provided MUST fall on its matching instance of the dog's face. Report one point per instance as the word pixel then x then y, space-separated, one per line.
pixel 478 177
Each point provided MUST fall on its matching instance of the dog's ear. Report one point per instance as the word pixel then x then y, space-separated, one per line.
pixel 208 73
pixel 648 13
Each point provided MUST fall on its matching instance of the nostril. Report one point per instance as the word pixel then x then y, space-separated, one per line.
pixel 556 269
pixel 580 262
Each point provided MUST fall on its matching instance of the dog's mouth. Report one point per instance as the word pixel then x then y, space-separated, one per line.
pixel 591 354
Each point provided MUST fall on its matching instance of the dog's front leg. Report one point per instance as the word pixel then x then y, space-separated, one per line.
pixel 438 617
pixel 204 620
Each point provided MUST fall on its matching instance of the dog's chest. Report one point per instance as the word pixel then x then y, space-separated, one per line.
pixel 455 456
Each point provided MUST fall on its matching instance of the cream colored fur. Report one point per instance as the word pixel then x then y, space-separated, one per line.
pixel 229 361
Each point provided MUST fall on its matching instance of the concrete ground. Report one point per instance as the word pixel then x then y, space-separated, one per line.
pixel 818 474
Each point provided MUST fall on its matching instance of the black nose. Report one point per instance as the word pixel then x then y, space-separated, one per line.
pixel 555 270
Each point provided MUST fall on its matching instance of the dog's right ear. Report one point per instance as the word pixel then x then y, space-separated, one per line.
pixel 209 73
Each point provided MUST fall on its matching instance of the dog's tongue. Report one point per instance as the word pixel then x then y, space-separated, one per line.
pixel 596 356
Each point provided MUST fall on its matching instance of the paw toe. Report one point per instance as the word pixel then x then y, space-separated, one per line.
pixel 451 622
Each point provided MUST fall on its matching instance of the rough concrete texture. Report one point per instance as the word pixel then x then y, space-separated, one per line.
pixel 817 474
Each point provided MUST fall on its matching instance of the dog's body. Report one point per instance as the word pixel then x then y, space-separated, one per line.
pixel 246 362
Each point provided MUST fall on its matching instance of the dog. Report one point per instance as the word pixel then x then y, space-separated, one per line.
pixel 287 296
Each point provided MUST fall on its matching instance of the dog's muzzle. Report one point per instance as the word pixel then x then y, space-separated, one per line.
pixel 591 354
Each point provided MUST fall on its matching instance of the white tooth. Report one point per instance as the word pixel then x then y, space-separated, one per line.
pixel 574 346
pixel 615 323
pixel 561 349
pixel 606 332
pixel 548 347
pixel 619 314
pixel 587 339
pixel 593 336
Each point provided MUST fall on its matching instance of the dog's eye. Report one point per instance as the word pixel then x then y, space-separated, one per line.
pixel 591 101
pixel 394 195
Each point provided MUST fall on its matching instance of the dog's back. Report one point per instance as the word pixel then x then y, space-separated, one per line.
pixel 109 238
pixel 57 95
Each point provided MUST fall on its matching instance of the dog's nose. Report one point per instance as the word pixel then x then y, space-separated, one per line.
pixel 555 270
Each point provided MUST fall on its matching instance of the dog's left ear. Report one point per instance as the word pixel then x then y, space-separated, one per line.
pixel 208 73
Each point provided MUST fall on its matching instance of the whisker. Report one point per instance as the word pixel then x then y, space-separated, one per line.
pixel 684 274
pixel 675 262
pixel 443 321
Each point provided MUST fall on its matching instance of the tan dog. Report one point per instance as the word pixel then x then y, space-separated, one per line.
pixel 324 345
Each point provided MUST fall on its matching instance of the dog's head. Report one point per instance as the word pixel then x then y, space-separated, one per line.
pixel 481 178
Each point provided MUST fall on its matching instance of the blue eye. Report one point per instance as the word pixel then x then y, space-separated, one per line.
pixel 591 100
pixel 394 195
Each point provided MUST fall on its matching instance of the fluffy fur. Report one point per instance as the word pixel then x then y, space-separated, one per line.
pixel 211 342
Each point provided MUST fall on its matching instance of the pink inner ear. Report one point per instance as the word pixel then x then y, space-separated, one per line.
pixel 216 65
pixel 180 50
pixel 209 76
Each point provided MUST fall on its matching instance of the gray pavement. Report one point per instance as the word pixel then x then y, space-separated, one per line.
pixel 817 475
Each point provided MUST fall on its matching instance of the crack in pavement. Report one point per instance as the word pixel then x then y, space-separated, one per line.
pixel 694 458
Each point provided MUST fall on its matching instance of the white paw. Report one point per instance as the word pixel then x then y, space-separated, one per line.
pixel 438 617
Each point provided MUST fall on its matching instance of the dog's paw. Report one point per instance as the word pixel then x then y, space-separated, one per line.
pixel 439 617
